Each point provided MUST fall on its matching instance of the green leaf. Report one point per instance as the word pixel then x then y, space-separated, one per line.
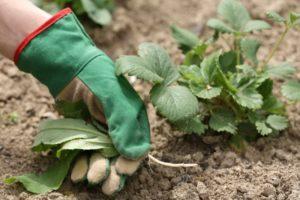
pixel 174 102
pixel 186 39
pixel 234 12
pixel 159 62
pixel 205 92
pixel 262 128
pixel 98 15
pixel 57 132
pixel 193 125
pixel 273 105
pixel 219 26
pixel 86 144
pixel 47 181
pixel 256 25
pixel 274 16
pixel 277 122
pixel 223 120
pixel 209 67
pixel 191 73
pixel 282 71
pixel 291 90
pixel 195 56
pixel 294 19
pixel 249 49
pixel 266 88
pixel 249 98
pixel 227 61
pixel 136 66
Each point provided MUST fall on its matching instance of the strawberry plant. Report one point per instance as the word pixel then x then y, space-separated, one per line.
pixel 99 11
pixel 228 91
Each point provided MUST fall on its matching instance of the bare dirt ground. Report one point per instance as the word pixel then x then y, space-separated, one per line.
pixel 268 169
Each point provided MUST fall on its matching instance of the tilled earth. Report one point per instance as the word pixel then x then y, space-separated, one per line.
pixel 268 169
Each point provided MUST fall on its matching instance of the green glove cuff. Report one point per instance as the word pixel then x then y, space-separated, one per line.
pixel 60 50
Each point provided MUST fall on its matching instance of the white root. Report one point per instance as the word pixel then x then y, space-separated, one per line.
pixel 171 164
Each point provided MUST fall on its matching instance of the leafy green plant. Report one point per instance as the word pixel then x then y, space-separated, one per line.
pixel 224 91
pixel 66 138
pixel 99 11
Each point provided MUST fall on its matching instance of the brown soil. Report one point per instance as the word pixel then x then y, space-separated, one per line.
pixel 269 169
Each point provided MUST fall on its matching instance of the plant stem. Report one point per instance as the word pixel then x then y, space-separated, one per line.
pixel 171 164
pixel 275 48
pixel 237 49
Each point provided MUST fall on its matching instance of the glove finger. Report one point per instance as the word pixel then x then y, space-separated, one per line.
pixel 98 169
pixel 80 169
pixel 114 182
pixel 126 166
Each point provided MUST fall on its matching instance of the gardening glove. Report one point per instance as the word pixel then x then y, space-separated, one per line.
pixel 59 52
pixel 95 168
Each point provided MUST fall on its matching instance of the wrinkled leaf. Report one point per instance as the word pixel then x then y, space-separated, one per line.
pixel 294 19
pixel 136 66
pixel 191 73
pixel 249 49
pixel 234 12
pixel 195 56
pixel 223 120
pixel 47 181
pixel 273 105
pixel 277 122
pixel 266 88
pixel 174 102
pixel 227 61
pixel 158 61
pixel 185 38
pixel 72 110
pixel 291 90
pixel 256 25
pixel 249 98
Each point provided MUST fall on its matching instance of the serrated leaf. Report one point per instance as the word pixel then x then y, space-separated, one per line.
pixel 223 120
pixel 219 26
pixel 136 66
pixel 209 67
pixel 227 61
pixel 274 16
pixel 98 15
pixel 282 71
pixel 262 128
pixel 234 12
pixel 47 181
pixel 205 91
pixel 185 38
pixel 277 122
pixel 291 90
pixel 255 25
pixel 193 125
pixel 249 49
pixel 174 102
pixel 159 62
pixel 249 98
pixel 273 105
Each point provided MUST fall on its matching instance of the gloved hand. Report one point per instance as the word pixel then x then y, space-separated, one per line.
pixel 95 168
pixel 62 56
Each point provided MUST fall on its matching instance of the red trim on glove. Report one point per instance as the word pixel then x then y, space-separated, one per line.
pixel 40 29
